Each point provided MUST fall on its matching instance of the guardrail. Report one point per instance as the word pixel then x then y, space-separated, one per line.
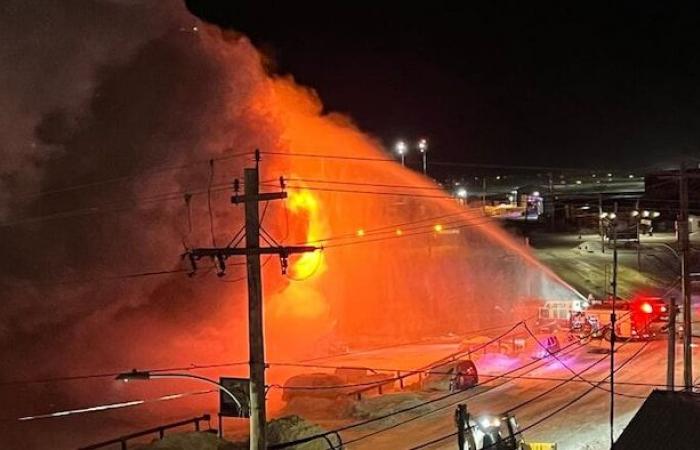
pixel 123 440
pixel 426 370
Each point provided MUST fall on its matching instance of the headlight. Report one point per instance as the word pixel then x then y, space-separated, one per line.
pixel 489 422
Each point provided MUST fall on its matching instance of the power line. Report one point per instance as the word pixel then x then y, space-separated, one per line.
pixel 411 419
pixel 393 227
pixel 326 156
pixel 211 214
pixel 577 345
pixel 567 367
pixel 104 278
pixel 120 206
pixel 114 374
pixel 435 163
pixel 151 171
pixel 356 183
pixel 367 421
pixel 588 391
pixel 405 235
pixel 548 391
pixel 353 191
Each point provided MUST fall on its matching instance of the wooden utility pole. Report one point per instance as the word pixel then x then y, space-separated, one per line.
pixel 671 358
pixel 683 238
pixel 256 337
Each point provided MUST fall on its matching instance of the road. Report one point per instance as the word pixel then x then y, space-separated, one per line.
pixel 584 425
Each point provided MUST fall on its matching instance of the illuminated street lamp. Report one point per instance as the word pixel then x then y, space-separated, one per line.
pixel 461 195
pixel 138 375
pixel 401 149
pixel 423 149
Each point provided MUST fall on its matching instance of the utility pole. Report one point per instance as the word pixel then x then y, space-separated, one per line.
pixel 461 419
pixel 552 204
pixel 683 247
pixel 671 359
pixel 639 239
pixel 600 223
pixel 613 319
pixel 683 238
pixel 256 339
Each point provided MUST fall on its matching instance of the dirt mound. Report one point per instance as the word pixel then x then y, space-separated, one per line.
pixel 285 429
pixel 320 408
pixel 292 428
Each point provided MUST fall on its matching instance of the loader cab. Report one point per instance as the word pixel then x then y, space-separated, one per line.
pixel 497 433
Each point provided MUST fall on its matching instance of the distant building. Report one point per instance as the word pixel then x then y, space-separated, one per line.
pixel 662 193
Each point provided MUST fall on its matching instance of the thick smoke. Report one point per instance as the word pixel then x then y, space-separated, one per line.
pixel 131 101
pixel 51 53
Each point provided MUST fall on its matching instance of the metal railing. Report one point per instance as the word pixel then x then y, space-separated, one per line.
pixel 123 440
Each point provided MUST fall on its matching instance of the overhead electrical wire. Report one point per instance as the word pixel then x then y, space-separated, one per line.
pixel 147 172
pixel 576 375
pixel 575 343
pixel 327 156
pixel 209 208
pixel 557 410
pixel 102 278
pixel 548 391
pixel 114 374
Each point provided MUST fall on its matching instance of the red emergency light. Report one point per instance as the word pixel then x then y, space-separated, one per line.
pixel 646 308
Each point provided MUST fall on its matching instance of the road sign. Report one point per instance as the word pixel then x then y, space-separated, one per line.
pixel 240 388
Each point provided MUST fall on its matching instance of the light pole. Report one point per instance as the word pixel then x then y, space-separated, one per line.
pixel 423 149
pixel 611 224
pixel 135 375
pixel 462 195
pixel 401 150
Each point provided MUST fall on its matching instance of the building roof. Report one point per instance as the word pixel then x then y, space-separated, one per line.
pixel 666 420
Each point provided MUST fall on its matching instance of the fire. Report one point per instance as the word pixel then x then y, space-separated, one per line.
pixel 302 202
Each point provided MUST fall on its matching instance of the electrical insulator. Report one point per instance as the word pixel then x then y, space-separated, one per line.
pixel 285 264
pixel 220 265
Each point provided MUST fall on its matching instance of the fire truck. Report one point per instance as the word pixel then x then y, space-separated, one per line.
pixel 639 318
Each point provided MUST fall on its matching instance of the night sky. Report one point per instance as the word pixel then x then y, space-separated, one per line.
pixel 494 82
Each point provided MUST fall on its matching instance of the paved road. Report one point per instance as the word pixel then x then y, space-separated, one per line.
pixel 584 423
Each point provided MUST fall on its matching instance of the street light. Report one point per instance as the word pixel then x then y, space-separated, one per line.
pixel 461 195
pixel 136 375
pixel 401 149
pixel 423 149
